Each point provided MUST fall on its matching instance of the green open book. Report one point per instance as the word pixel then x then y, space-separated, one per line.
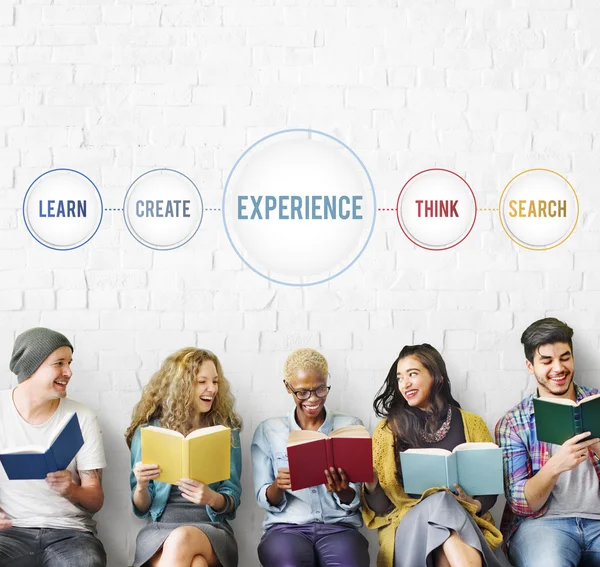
pixel 559 419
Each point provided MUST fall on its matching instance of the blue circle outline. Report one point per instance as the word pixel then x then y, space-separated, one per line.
pixel 132 232
pixel 308 131
pixel 101 209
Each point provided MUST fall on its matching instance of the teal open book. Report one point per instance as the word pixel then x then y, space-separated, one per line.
pixel 34 462
pixel 475 467
pixel 559 419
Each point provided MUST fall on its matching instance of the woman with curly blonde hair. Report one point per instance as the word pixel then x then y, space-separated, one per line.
pixel 189 525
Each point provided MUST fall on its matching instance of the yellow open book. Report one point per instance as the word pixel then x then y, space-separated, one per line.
pixel 203 455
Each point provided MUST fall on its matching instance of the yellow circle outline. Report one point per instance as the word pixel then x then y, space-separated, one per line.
pixel 576 201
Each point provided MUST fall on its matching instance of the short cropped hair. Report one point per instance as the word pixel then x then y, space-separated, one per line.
pixel 545 332
pixel 305 359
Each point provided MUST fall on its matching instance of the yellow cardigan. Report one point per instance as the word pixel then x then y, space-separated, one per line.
pixel 385 463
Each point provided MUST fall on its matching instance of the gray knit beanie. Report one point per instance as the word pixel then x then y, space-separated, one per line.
pixel 32 347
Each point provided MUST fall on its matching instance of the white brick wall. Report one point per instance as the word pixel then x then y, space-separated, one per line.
pixel 115 87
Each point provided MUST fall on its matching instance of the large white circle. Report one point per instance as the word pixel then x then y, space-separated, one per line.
pixel 62 209
pixel 163 209
pixel 539 192
pixel 436 209
pixel 310 165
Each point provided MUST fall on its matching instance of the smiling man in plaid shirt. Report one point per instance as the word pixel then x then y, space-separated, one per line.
pixel 552 514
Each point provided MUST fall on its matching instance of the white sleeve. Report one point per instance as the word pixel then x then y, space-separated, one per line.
pixel 91 455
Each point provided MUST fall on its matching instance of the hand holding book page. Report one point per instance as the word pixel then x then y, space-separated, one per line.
pixel 203 455
pixel 311 453
pixel 36 462
pixel 475 467
pixel 559 419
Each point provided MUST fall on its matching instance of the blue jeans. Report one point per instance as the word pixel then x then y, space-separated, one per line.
pixel 556 542
pixel 49 547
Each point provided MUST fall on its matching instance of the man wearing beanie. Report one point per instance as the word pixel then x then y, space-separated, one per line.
pixel 48 522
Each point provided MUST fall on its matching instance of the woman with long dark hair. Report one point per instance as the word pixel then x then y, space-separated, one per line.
pixel 438 528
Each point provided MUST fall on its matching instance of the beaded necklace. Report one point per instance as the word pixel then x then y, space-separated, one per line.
pixel 441 432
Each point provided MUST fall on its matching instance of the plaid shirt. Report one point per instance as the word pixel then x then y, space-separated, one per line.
pixel 523 456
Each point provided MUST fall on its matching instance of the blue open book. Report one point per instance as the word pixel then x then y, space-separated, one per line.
pixel 35 462
pixel 475 467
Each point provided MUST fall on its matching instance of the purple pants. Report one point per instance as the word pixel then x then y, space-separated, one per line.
pixel 313 545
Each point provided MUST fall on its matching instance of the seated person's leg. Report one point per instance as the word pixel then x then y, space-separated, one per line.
pixel 439 530
pixel 186 545
pixel 340 546
pixel 591 536
pixel 18 546
pixel 65 548
pixel 546 542
pixel 456 552
pixel 286 547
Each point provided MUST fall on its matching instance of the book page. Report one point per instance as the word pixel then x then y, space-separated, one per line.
pixel 163 430
pixel 25 449
pixel 206 431
pixel 561 401
pixel 350 431
pixel 442 452
pixel 475 446
pixel 299 436
pixel 589 399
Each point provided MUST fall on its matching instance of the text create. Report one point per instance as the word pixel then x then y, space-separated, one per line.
pixel 160 208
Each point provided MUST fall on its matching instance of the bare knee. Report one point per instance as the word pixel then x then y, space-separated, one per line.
pixel 459 553
pixel 181 539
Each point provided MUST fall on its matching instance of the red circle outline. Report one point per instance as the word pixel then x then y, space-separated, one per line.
pixel 398 209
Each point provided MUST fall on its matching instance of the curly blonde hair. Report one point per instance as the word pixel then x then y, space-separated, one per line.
pixel 169 396
pixel 305 359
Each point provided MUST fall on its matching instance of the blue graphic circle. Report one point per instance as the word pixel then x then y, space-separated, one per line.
pixel 307 131
pixel 130 229
pixel 25 215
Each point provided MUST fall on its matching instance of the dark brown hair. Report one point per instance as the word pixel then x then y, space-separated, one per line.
pixel 545 332
pixel 403 419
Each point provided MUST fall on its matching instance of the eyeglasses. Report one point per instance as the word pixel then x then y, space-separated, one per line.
pixel 320 392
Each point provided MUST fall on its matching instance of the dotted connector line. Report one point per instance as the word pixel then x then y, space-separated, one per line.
pixel 212 209
pixel 487 209
pixel 113 209
pixel 393 210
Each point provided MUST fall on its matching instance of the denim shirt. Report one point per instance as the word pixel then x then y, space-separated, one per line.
pixel 314 504
pixel 159 491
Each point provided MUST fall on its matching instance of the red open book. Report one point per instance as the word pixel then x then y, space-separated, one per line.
pixel 311 452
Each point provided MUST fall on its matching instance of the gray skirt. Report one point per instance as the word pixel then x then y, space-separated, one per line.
pixel 181 512
pixel 427 526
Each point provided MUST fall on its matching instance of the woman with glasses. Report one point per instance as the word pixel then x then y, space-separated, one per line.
pixel 317 526
pixel 438 528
